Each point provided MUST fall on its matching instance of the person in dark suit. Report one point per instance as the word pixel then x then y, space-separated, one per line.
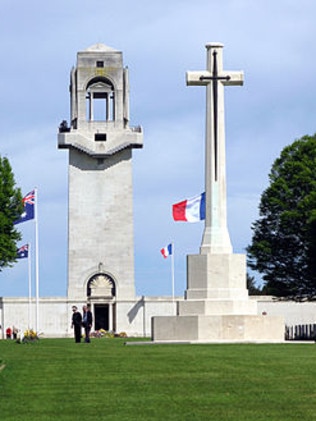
pixel 87 322
pixel 76 323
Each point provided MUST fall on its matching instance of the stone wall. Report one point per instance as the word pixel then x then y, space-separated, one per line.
pixel 294 313
pixel 132 317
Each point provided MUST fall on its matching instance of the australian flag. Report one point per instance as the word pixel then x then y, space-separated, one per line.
pixel 23 252
pixel 28 211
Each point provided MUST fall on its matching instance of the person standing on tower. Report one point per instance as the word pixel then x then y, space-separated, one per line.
pixel 76 323
pixel 87 322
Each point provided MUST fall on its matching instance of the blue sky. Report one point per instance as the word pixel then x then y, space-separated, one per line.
pixel 272 42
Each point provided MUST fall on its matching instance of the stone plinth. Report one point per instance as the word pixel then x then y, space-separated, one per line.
pixel 216 276
pixel 223 328
pixel 216 284
pixel 217 307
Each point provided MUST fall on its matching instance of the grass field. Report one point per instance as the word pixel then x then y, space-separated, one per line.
pixel 107 380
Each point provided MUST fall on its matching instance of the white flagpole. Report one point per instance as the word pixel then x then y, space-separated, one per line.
pixel 36 262
pixel 172 269
pixel 30 284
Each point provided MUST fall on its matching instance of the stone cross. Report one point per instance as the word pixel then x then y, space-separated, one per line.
pixel 216 237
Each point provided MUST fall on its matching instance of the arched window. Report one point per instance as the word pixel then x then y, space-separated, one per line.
pixel 101 285
pixel 100 100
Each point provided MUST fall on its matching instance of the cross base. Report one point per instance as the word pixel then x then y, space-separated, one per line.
pixel 216 285
pixel 216 276
pixel 200 328
pixel 216 306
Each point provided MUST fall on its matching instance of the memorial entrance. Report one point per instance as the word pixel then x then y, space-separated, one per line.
pixel 101 294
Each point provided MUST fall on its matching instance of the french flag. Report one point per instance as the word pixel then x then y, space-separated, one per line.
pixel 190 210
pixel 166 251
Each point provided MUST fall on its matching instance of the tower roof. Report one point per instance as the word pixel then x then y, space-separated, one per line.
pixel 100 47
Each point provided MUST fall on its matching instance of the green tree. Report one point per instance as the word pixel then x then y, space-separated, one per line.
pixel 283 245
pixel 11 207
pixel 253 289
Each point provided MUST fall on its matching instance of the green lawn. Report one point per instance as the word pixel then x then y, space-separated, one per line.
pixel 106 380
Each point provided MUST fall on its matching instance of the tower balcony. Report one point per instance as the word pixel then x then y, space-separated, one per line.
pixel 100 144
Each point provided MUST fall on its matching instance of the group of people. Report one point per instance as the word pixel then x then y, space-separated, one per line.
pixel 82 320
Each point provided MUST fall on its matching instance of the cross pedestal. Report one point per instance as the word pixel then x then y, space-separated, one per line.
pixel 216 305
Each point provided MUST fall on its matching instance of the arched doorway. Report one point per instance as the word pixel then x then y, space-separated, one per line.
pixel 101 295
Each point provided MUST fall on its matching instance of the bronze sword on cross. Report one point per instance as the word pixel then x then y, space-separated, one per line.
pixel 216 237
pixel 215 78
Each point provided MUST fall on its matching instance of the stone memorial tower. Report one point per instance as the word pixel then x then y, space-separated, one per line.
pixel 216 305
pixel 100 214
